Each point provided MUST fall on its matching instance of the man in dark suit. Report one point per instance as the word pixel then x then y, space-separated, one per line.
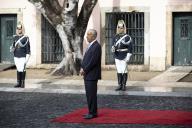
pixel 91 70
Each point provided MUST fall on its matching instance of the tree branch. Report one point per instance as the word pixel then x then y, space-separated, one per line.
pixel 55 6
pixel 69 12
pixel 84 15
pixel 47 9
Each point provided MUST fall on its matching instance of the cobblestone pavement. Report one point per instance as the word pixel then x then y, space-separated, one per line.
pixel 35 110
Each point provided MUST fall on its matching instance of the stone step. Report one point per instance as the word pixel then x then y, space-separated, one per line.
pixel 173 74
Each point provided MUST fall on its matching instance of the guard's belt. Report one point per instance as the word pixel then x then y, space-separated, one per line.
pixel 122 50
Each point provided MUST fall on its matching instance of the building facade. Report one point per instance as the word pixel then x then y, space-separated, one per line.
pixel 161 32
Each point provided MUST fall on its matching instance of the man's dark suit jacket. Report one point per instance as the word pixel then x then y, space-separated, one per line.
pixel 91 63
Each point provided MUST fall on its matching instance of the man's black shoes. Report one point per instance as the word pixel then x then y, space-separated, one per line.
pixel 89 116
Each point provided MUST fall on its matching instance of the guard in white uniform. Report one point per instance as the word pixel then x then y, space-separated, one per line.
pixel 21 51
pixel 122 49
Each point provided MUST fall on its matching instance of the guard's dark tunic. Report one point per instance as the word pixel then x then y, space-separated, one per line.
pixel 19 50
pixel 122 45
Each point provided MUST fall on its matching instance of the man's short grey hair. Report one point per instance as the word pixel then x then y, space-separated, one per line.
pixel 93 31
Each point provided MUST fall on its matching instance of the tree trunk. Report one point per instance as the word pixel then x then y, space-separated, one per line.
pixel 71 28
pixel 70 65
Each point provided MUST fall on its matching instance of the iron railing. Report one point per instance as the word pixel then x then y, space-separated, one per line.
pixel 52 50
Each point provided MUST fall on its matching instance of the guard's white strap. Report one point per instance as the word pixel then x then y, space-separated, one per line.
pixel 126 43
pixel 120 40
pixel 19 42
pixel 122 50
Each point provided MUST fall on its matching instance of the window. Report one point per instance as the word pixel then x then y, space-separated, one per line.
pixel 135 28
pixel 184 29
pixel 52 49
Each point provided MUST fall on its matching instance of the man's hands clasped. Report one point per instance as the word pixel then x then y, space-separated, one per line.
pixel 82 72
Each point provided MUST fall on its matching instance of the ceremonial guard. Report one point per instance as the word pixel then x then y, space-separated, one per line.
pixel 21 51
pixel 122 49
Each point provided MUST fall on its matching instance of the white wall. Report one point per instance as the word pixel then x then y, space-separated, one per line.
pixel 155 27
pixel 157 37
pixel 155 31
pixel 27 14
pixel 30 22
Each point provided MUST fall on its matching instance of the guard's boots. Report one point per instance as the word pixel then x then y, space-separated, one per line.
pixel 23 79
pixel 18 85
pixel 119 77
pixel 124 81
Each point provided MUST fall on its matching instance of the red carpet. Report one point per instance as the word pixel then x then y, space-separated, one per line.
pixel 114 116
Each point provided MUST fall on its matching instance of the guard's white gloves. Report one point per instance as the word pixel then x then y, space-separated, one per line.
pixel 12 49
pixel 27 58
pixel 113 49
pixel 128 57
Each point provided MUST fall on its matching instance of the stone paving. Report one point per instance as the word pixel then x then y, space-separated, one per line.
pixel 39 80
pixel 35 110
pixel 46 97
